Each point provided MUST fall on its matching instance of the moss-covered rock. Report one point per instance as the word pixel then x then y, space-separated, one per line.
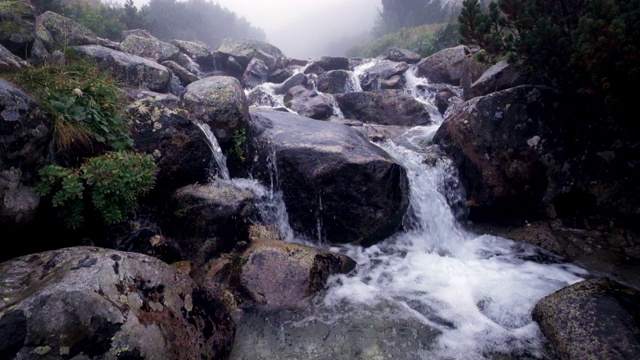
pixel 17 27
pixel 592 319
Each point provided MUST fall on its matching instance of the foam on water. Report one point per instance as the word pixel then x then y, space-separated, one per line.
pixel 478 290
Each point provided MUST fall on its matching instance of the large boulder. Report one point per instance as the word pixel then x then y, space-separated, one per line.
pixel 208 219
pixel 57 32
pixel 335 82
pixel 243 51
pixel 220 102
pixel 89 302
pixel 386 107
pixel 9 62
pixel 200 53
pixel 17 27
pixel 256 73
pixel 308 103
pixel 272 274
pixel 498 142
pixel 529 152
pixel 328 63
pixel 384 74
pixel 498 77
pixel 25 135
pixel 454 66
pixel 337 186
pixel 402 55
pixel 592 319
pixel 132 69
pixel 164 129
pixel 149 48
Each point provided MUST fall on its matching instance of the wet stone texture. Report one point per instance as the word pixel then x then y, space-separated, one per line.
pixel 96 303
pixel 592 319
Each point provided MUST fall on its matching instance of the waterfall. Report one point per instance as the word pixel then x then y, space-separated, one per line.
pixel 212 142
pixel 433 291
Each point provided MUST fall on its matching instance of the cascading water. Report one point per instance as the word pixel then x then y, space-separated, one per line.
pixel 433 291
pixel 212 142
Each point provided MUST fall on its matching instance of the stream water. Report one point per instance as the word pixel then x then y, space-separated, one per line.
pixel 433 291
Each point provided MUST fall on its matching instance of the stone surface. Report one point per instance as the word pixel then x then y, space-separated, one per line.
pixel 88 302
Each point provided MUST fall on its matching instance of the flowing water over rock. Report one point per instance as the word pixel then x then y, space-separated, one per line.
pixel 212 141
pixel 434 291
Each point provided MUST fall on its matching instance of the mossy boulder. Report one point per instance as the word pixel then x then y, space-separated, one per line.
pixel 57 32
pixel 17 27
pixel 149 48
pixel 220 102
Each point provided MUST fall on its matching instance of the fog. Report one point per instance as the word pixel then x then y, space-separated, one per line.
pixel 304 28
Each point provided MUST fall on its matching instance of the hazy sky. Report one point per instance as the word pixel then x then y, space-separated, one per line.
pixel 303 28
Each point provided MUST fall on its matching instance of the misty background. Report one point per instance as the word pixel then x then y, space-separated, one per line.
pixel 304 29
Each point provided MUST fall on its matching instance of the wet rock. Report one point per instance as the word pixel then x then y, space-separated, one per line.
pixel 256 73
pixel 163 128
pixel 200 53
pixel 335 81
pixel 186 77
pixel 211 218
pixel 220 102
pixel 328 63
pixel 498 77
pixel 592 319
pixel 295 80
pixel 379 75
pixel 25 134
pixel 453 66
pixel 132 69
pixel 243 51
pixel 387 107
pixel 272 274
pixel 87 302
pixel 308 103
pixel 336 184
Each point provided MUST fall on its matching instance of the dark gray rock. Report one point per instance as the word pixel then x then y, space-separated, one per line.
pixel 149 48
pixel 256 73
pixel 403 55
pixel 335 81
pixel 377 77
pixel 386 107
pixel 9 62
pixel 454 66
pixel 132 69
pixel 25 134
pixel 17 27
pixel 592 319
pixel 89 302
pixel 498 77
pixel 210 219
pixel 328 63
pixel 337 185
pixel 220 102
pixel 164 129
pixel 308 103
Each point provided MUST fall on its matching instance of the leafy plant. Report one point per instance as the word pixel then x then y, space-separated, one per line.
pixel 239 143
pixel 84 101
pixel 113 182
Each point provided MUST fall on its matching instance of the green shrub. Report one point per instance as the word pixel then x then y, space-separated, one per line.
pixel 113 182
pixel 84 101
pixel 590 46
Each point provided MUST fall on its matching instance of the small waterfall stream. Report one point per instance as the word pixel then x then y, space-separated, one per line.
pixel 212 142
pixel 433 291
